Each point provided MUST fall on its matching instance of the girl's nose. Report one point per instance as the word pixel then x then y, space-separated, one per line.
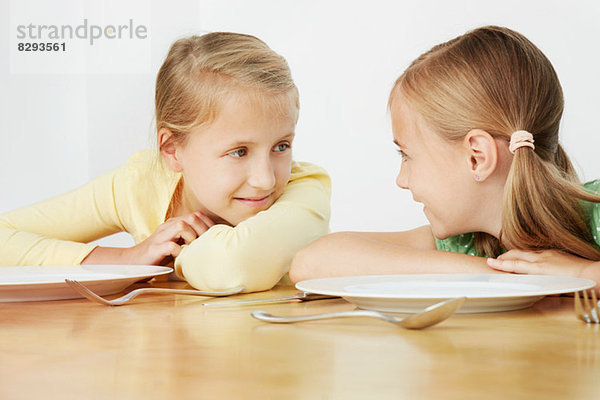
pixel 262 175
pixel 402 178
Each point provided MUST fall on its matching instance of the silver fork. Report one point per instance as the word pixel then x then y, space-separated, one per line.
pixel 88 294
pixel 586 312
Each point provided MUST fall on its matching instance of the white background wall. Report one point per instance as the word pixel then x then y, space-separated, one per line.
pixel 58 130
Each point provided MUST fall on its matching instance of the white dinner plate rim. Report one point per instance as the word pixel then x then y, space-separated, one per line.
pixel 309 285
pixel 46 283
pixel 86 273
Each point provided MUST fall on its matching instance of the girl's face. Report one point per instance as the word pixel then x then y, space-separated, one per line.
pixel 239 164
pixel 435 171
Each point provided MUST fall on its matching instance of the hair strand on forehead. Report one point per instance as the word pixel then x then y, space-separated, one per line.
pixel 201 72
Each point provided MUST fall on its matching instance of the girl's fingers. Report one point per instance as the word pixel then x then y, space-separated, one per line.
pixel 209 222
pixel 180 229
pixel 496 263
pixel 196 223
pixel 530 256
pixel 172 249
pixel 517 266
pixel 186 228
pixel 187 233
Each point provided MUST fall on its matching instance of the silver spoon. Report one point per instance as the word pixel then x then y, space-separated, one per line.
pixel 430 316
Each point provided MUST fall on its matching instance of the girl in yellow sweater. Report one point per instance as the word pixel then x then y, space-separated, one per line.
pixel 222 196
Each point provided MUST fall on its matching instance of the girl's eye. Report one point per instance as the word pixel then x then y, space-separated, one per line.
pixel 238 153
pixel 282 147
pixel 402 154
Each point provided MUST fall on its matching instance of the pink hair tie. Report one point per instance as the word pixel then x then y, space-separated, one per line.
pixel 520 139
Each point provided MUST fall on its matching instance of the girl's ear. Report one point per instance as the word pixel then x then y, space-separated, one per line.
pixel 168 149
pixel 482 153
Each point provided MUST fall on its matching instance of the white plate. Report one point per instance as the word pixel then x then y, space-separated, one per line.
pixel 48 283
pixel 411 293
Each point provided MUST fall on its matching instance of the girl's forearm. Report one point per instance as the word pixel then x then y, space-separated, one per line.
pixel 108 255
pixel 350 255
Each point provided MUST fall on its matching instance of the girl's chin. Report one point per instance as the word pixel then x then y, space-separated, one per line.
pixel 218 220
pixel 439 231
pixel 233 220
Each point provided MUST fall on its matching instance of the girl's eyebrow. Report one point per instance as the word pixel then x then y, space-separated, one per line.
pixel 288 136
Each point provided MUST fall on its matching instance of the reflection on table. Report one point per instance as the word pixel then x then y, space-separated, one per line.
pixel 165 346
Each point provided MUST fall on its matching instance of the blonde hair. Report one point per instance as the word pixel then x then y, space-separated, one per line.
pixel 199 73
pixel 495 79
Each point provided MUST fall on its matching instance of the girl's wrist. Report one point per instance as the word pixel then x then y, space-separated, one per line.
pixel 111 255
pixel 129 255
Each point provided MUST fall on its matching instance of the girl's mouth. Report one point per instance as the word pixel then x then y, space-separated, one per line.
pixel 253 201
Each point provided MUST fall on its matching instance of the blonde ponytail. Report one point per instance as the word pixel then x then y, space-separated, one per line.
pixel 543 209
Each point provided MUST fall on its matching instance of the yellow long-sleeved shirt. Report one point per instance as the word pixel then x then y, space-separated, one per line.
pixel 135 197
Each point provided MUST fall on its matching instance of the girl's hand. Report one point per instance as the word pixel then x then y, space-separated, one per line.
pixel 166 241
pixel 545 262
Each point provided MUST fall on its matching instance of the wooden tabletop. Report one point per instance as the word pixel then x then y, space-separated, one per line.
pixel 166 346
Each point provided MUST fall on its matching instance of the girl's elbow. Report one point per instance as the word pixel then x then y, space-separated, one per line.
pixel 298 267
pixel 319 258
pixel 304 265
